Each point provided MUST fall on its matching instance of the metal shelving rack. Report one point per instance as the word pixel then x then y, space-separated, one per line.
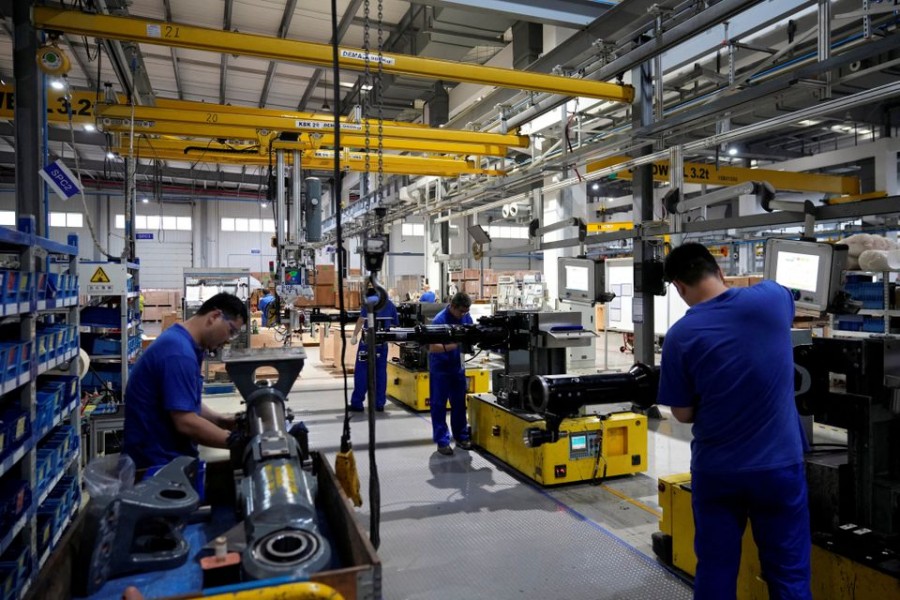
pixel 886 313
pixel 201 284
pixel 105 283
pixel 32 305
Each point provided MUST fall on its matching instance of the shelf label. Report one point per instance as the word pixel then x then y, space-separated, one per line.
pixel 99 276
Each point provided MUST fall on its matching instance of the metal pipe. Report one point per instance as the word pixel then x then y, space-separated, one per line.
pixel 279 199
pixel 295 227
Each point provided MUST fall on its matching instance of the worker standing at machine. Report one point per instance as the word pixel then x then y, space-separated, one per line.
pixel 727 367
pixel 386 318
pixel 447 374
pixel 427 294
pixel 267 308
pixel 164 415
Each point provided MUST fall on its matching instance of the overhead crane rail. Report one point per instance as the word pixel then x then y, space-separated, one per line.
pixel 148 31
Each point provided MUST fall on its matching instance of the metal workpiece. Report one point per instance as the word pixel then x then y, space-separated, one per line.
pixel 139 529
pixel 564 395
pixel 227 42
pixel 276 495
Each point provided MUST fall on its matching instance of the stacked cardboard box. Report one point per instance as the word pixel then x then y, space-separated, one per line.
pixel 158 302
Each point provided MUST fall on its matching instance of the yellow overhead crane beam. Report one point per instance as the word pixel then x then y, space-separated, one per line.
pixel 262 137
pixel 148 31
pixel 711 175
pixel 174 150
pixel 124 112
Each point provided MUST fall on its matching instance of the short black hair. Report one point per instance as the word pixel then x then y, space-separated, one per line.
pixel 461 300
pixel 229 304
pixel 690 263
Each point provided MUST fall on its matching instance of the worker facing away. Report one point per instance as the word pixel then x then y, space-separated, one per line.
pixel 267 309
pixel 385 318
pixel 447 375
pixel 727 367
pixel 427 294
pixel 164 415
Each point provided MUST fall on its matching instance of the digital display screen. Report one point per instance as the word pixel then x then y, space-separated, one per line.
pixel 578 278
pixel 579 442
pixel 797 271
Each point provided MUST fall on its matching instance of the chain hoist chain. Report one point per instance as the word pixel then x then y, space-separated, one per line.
pixel 363 94
pixel 380 101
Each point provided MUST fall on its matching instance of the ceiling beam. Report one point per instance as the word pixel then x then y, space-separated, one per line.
pixel 574 14
pixel 172 51
pixel 282 33
pixel 346 20
pixel 223 68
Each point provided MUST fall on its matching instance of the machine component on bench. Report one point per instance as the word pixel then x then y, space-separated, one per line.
pixel 557 397
pixel 276 495
pixel 138 530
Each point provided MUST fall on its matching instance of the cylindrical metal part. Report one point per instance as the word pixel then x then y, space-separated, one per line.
pixel 566 394
pixel 313 209
pixel 295 219
pixel 279 198
pixel 265 413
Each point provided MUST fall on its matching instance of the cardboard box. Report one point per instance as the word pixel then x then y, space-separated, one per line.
pixel 153 313
pixel 472 287
pixel 265 339
pixel 599 317
pixel 325 275
pixel 335 340
pixel 471 274
pixel 169 319
pixel 324 295
pixel 753 280
pixel 736 281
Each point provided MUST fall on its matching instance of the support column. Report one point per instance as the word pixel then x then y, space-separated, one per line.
pixel 27 116
pixel 642 191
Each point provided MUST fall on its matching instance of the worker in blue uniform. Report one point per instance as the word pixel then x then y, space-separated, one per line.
pixel 447 374
pixel 385 318
pixel 164 415
pixel 266 305
pixel 727 367
pixel 427 294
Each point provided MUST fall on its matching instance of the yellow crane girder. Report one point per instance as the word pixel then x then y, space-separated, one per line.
pixel 173 150
pixel 148 31
pixel 723 175
pixel 124 113
pixel 236 132
pixel 59 104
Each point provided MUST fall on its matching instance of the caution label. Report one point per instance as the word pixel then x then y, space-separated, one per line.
pixel 99 276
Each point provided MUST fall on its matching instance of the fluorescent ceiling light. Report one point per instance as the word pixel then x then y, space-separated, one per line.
pixel 145 200
pixel 110 155
pixel 732 151
pixel 56 84
pixel 89 127
pixel 808 122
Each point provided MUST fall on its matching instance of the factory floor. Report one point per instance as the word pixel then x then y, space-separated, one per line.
pixel 465 526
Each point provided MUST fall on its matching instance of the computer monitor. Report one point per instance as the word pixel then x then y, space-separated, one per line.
pixel 581 280
pixel 811 270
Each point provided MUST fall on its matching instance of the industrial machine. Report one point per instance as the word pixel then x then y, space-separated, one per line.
pixel 407 375
pixel 532 421
pixel 854 490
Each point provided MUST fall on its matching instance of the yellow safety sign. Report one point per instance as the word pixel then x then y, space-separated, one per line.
pixel 99 276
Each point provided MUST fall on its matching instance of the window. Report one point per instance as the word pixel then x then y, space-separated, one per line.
pixel 154 222
pixel 507 232
pixel 256 225
pixel 241 224
pixel 412 229
pixel 8 217
pixel 269 225
pixel 227 224
pixel 66 219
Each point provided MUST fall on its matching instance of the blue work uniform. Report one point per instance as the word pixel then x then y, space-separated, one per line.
pixel 427 297
pixel 731 359
pixel 166 378
pixel 387 317
pixel 264 308
pixel 448 381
